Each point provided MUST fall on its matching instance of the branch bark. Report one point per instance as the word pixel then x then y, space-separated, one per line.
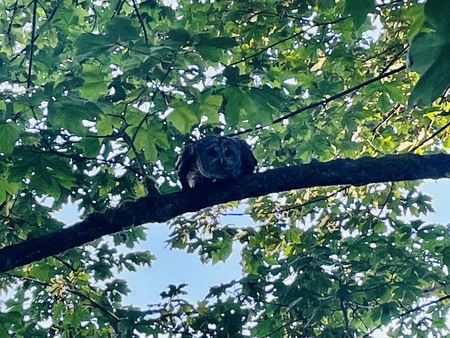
pixel 162 208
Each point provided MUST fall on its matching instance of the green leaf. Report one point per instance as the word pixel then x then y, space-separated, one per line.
pixel 118 31
pixel 425 50
pixel 429 55
pixel 122 30
pixel 94 84
pixel 210 53
pixel 160 138
pixel 13 317
pixel 183 118
pixel 9 132
pixel 150 151
pixel 119 91
pixel 89 147
pixel 233 97
pixel 446 256
pixel 416 17
pixel 222 42
pixel 233 76
pixel 436 13
pixel 106 123
pixel 223 249
pixel 7 187
pixel 209 107
pixel 358 9
pixel 178 37
pixel 90 45
pixel 118 285
pixel 325 4
pixel 69 113
pixel 433 82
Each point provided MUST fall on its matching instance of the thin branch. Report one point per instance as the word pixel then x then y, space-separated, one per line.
pixel 93 303
pixel 395 59
pixel 383 205
pixel 421 307
pixel 396 109
pixel 147 115
pixel 73 291
pixel 138 14
pixel 345 316
pixel 272 333
pixel 130 143
pixel 118 8
pixel 371 57
pixel 67 265
pixel 408 312
pixel 33 37
pixel 313 200
pixel 341 94
pixel 325 101
pixel 437 132
pixel 293 36
pixel 11 22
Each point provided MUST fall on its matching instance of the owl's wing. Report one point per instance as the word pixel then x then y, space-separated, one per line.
pixel 185 163
pixel 248 160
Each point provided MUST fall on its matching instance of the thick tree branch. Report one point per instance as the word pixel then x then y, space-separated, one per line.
pixel 164 207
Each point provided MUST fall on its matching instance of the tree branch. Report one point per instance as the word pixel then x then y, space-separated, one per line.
pixel 325 101
pixel 164 207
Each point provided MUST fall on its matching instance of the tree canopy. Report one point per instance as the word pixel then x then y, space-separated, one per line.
pixel 344 104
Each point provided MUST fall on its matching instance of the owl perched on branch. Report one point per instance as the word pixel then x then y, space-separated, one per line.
pixel 214 158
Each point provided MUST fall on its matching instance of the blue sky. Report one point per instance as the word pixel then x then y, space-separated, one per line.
pixel 176 266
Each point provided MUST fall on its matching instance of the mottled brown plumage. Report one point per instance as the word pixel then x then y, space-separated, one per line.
pixel 214 158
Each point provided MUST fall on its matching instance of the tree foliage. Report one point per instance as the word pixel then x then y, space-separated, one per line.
pixel 98 98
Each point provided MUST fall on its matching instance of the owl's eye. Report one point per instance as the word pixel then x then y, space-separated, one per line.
pixel 227 152
pixel 213 153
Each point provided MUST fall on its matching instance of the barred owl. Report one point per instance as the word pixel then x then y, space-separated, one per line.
pixel 214 158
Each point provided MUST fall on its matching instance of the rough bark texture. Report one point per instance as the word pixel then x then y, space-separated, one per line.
pixel 164 207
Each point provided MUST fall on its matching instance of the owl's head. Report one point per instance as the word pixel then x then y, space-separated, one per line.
pixel 219 157
pixel 214 158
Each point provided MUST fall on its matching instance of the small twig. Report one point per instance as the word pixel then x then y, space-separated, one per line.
pixel 371 57
pixel 63 262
